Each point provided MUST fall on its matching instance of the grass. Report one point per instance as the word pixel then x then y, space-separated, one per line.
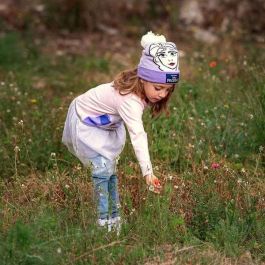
pixel 209 154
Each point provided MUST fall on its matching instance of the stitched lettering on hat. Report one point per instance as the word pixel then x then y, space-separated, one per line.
pixel 172 78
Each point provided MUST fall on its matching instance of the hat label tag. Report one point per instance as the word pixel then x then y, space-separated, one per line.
pixel 172 78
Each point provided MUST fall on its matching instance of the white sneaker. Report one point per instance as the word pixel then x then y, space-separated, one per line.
pixel 102 222
pixel 116 224
pixel 105 223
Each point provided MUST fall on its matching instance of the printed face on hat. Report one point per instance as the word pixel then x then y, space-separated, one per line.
pixel 165 56
pixel 155 91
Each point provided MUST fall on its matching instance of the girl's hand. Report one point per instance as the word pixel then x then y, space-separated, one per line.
pixel 153 183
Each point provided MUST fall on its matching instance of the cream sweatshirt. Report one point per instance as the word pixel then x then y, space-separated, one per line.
pixel 105 108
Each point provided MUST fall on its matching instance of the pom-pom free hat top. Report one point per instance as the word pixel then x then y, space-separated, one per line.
pixel 159 61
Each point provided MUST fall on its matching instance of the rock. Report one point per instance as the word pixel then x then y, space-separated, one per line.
pixel 191 13
pixel 204 35
pixel 245 259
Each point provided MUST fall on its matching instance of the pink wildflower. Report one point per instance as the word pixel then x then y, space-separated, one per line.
pixel 215 165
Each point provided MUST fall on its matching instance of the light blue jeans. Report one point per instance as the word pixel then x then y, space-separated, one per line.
pixel 105 186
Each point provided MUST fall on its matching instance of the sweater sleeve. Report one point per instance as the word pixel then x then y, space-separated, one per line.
pixel 131 111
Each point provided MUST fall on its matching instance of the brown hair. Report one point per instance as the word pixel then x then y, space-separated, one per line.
pixel 128 82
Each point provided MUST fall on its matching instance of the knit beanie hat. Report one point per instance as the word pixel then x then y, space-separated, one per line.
pixel 159 62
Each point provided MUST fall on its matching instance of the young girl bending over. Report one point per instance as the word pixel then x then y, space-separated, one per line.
pixel 94 129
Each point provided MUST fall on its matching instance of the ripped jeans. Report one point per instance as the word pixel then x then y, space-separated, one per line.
pixel 105 186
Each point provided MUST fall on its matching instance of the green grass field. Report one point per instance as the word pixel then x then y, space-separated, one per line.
pixel 209 154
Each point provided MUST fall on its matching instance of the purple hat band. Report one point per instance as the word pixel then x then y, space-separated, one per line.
pixel 158 76
pixel 159 63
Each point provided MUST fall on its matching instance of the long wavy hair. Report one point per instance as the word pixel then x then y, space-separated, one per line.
pixel 128 82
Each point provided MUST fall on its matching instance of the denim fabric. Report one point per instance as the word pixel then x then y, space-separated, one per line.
pixel 105 186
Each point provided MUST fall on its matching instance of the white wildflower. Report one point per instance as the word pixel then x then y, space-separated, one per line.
pixel 16 149
pixel 21 123
pixel 239 181
pixel 243 170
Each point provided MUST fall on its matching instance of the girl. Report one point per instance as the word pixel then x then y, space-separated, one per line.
pixel 94 129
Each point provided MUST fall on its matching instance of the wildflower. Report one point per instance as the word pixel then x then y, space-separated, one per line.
pixel 78 167
pixel 213 64
pixel 190 145
pixel 205 168
pixel 251 116
pixel 243 170
pixel 2 83
pixel 59 250
pixel 170 177
pixel 21 123
pixel 176 187
pixel 215 165
pixel 239 181
pixel 53 155
pixel 67 186
pixel 16 149
pixel 33 101
pixel 261 148
pixel 132 211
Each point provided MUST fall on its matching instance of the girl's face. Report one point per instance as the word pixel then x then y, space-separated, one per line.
pixel 155 91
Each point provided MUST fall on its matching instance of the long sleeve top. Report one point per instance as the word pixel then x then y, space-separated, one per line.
pixel 106 109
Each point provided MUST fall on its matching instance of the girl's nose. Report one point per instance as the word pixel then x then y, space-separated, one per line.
pixel 162 93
